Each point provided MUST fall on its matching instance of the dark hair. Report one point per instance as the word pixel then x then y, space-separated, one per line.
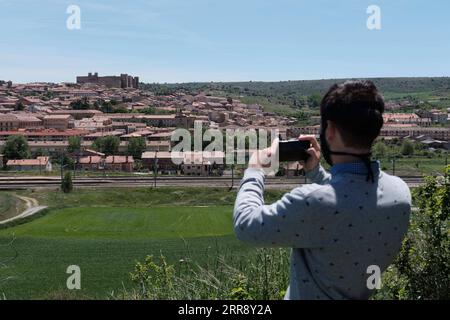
pixel 357 109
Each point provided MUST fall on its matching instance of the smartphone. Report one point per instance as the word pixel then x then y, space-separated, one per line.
pixel 293 150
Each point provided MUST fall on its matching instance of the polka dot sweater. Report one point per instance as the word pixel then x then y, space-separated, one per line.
pixel 337 227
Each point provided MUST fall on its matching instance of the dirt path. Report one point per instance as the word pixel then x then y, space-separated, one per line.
pixel 29 202
pixel 32 207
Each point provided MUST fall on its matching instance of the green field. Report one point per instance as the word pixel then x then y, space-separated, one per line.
pixel 415 166
pixel 128 223
pixel 105 243
pixel 106 231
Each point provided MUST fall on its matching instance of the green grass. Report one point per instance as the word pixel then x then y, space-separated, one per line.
pixel 415 166
pixel 39 271
pixel 105 231
pixel 127 223
pixel 106 242
pixel 140 197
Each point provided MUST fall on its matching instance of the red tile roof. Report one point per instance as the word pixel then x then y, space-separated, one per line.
pixel 119 159
pixel 39 161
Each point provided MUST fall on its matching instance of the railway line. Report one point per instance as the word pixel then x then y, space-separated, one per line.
pixel 35 182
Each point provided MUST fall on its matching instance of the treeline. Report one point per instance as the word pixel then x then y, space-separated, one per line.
pixel 304 92
pixel 113 106
pixel 306 87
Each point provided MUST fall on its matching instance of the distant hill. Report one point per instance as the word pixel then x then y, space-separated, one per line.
pixel 288 97
pixel 309 87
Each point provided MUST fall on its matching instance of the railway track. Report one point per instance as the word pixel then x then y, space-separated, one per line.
pixel 8 183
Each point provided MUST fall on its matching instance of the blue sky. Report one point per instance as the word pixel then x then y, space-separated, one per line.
pixel 228 40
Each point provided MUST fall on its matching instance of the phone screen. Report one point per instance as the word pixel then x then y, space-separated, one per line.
pixel 294 150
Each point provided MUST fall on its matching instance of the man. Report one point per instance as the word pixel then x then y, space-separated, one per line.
pixel 346 222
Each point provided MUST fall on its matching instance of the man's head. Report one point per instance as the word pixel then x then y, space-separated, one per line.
pixel 352 117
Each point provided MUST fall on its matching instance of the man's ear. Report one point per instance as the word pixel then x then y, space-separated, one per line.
pixel 331 131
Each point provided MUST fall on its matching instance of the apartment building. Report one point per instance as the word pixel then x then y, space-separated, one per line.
pixel 436 116
pixel 95 124
pixel 399 131
pixel 29 122
pixel 8 122
pixel 406 118
pixel 58 122
pixel 389 130
pixel 78 114
pixel 171 120
pixel 45 135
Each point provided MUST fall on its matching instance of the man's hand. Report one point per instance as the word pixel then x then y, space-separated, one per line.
pixel 314 152
pixel 263 158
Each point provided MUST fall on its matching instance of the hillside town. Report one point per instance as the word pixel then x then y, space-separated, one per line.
pixel 49 116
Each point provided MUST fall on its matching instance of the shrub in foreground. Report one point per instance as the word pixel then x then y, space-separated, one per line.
pixel 263 276
pixel 422 269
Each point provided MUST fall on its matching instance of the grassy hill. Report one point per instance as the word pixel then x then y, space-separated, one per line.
pixel 289 97
pixel 438 85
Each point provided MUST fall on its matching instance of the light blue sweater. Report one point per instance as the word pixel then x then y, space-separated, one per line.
pixel 337 227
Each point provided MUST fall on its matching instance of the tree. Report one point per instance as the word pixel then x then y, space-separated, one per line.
pixel 136 146
pixel 82 104
pixel 106 107
pixel 40 153
pixel 66 183
pixel 407 148
pixel 16 147
pixel 121 109
pixel 19 106
pixel 314 100
pixel 301 116
pixel 74 144
pixel 108 145
pixel 379 150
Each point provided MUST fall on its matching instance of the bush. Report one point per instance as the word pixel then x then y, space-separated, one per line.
pixel 66 183
pixel 263 276
pixel 155 281
pixel 422 269
pixel 407 148
pixel 380 150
